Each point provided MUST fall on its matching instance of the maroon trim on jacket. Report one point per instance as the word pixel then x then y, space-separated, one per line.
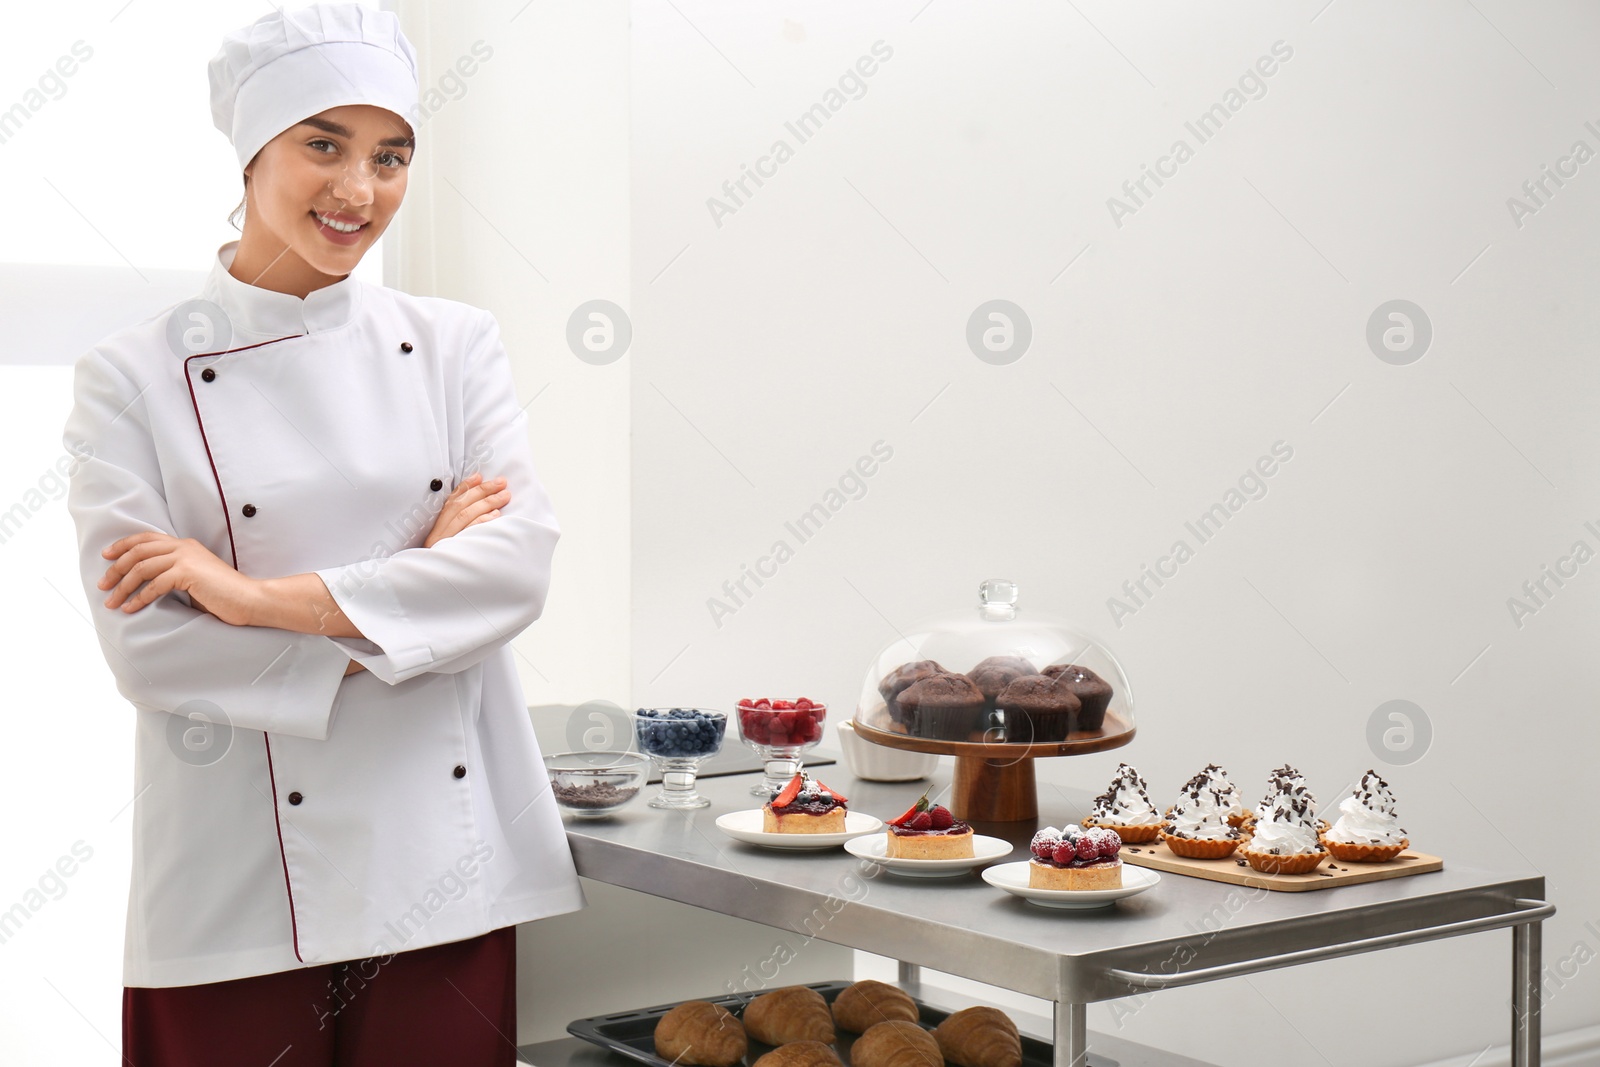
pixel 226 517
pixel 294 928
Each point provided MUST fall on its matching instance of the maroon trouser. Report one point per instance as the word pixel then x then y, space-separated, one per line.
pixel 445 1004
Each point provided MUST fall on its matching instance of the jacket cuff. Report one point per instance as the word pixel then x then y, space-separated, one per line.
pixel 305 680
pixel 392 647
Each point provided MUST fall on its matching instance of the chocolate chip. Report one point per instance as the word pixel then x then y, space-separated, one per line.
pixel 592 795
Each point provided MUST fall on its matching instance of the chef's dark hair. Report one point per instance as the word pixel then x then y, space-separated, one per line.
pixel 238 213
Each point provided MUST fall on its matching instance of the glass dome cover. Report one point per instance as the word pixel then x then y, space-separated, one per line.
pixel 997 674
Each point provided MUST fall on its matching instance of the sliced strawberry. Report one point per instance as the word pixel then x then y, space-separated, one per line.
pixel 905 817
pixel 788 794
pixel 834 793
pixel 920 805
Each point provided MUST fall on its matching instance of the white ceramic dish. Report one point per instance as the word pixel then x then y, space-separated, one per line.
pixel 984 850
pixel 1013 878
pixel 746 826
pixel 872 762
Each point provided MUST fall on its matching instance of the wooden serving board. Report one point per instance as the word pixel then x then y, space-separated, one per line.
pixel 1233 870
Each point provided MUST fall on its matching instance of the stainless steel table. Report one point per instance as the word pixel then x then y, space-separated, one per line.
pixel 1182 932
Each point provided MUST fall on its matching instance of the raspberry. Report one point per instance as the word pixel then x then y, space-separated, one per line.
pixel 779 705
pixel 804 702
pixel 942 819
pixel 747 703
pixel 1105 842
pixel 1087 849
pixel 920 821
pixel 1064 852
pixel 763 703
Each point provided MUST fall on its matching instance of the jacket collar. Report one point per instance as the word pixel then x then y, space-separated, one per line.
pixel 252 309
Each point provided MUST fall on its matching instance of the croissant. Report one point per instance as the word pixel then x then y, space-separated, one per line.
pixel 700 1032
pixel 979 1037
pixel 800 1054
pixel 793 1013
pixel 895 1043
pixel 863 1003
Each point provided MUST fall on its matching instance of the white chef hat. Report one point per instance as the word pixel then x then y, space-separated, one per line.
pixel 289 65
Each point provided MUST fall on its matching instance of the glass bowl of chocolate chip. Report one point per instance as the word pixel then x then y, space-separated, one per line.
pixel 593 784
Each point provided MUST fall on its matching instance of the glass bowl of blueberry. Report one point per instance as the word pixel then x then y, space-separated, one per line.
pixel 598 783
pixel 678 739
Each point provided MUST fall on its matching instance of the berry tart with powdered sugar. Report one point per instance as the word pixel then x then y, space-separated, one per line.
pixel 1075 858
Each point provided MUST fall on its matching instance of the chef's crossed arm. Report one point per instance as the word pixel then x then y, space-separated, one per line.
pixel 448 607
pixel 441 608
pixel 167 655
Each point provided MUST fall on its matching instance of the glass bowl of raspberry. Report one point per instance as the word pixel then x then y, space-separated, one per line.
pixel 781 732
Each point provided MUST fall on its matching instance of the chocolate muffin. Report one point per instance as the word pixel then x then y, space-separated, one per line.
pixel 1092 691
pixel 946 706
pixel 1037 707
pixel 997 672
pixel 895 682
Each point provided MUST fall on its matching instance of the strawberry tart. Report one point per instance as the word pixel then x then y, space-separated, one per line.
pixel 928 832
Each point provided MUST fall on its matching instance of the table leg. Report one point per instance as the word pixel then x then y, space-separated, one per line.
pixel 1526 965
pixel 1072 1035
pixel 910 977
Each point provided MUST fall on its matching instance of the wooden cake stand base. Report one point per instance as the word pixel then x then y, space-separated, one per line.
pixel 994 780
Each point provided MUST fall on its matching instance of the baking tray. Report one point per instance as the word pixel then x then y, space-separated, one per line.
pixel 632 1033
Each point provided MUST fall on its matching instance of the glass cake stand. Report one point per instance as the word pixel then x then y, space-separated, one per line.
pixel 996 739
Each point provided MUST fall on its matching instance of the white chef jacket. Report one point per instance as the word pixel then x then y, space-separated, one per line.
pixel 331 818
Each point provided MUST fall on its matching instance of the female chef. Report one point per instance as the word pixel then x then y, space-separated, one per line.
pixel 307 592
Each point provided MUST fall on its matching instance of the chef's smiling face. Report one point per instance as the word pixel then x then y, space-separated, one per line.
pixel 341 168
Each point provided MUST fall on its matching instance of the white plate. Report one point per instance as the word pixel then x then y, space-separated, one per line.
pixel 1013 878
pixel 984 850
pixel 746 826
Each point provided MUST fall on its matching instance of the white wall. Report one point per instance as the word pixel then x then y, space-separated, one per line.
pixel 1226 314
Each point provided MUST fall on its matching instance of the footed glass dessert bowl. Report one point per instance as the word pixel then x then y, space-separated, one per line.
pixel 678 739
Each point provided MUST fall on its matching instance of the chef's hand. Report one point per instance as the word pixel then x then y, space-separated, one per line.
pixel 161 564
pixel 471 502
